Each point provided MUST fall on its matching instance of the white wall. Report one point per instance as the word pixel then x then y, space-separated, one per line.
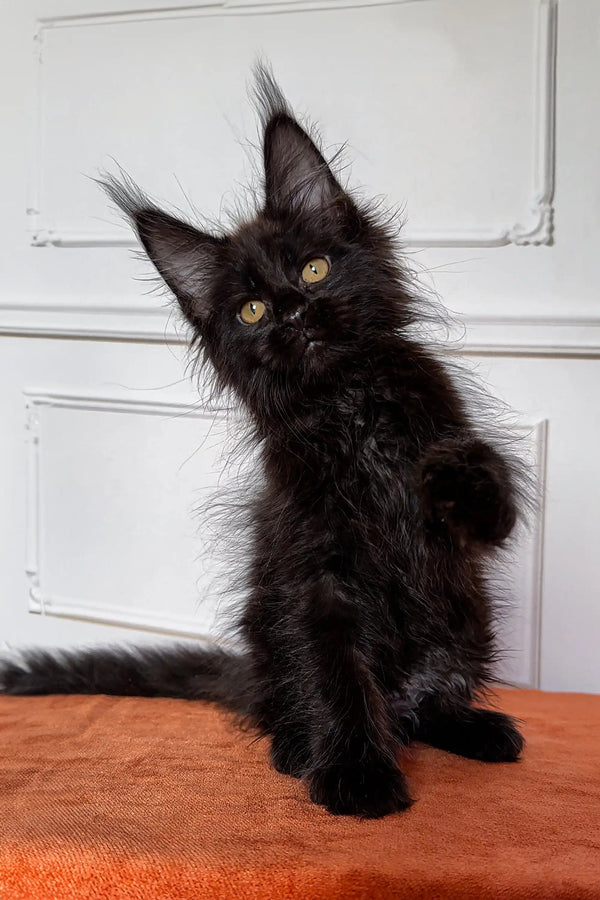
pixel 481 117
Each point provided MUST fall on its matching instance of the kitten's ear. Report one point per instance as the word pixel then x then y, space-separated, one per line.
pixel 185 258
pixel 296 173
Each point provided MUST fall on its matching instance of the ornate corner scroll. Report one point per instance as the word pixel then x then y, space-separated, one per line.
pixel 539 229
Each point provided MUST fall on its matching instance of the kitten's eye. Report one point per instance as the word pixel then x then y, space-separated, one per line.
pixel 315 270
pixel 252 312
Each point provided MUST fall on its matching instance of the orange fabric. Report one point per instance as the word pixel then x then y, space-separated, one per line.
pixel 107 797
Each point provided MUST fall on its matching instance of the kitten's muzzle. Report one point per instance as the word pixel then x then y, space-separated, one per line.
pixel 301 329
pixel 301 320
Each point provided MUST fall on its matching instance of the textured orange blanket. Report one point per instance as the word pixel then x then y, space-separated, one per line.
pixel 166 800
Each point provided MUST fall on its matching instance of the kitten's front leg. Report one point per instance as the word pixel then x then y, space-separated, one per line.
pixel 290 749
pixel 467 486
pixel 355 769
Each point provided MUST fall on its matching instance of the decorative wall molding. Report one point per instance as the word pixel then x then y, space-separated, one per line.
pixel 538 573
pixel 101 321
pixel 552 336
pixel 535 230
pixel 173 9
pixel 42 603
pixel 560 336
pixel 538 230
pixel 522 664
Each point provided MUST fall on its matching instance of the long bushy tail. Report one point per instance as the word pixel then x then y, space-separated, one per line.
pixel 187 672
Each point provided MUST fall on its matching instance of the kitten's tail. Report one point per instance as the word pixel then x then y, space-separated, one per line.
pixel 186 672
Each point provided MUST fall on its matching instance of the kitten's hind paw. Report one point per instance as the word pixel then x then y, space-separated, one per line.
pixel 482 734
pixel 369 790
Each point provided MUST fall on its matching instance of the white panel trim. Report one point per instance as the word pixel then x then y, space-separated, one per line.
pixel 98 321
pixel 533 231
pixel 553 336
pixel 561 336
pixel 32 567
pixel 530 657
pixel 213 8
pixel 163 623
pixel 542 461
pixel 42 603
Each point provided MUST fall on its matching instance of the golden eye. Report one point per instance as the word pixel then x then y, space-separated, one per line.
pixel 252 312
pixel 315 270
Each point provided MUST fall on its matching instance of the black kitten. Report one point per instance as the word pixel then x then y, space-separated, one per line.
pixel 368 620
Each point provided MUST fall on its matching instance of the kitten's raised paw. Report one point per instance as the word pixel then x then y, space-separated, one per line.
pixel 465 486
pixel 368 790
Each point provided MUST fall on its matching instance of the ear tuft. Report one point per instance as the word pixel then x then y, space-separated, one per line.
pixel 268 96
pixel 186 258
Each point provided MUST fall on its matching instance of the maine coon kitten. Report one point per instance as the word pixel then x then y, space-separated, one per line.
pixel 368 619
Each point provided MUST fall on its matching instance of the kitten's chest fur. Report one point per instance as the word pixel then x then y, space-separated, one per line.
pixel 359 439
pixel 340 493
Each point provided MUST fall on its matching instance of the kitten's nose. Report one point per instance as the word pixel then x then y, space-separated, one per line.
pixel 292 310
pixel 295 318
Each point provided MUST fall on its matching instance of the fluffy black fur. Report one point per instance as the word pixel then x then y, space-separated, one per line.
pixel 368 621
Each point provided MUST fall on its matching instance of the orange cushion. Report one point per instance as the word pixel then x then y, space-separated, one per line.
pixel 105 797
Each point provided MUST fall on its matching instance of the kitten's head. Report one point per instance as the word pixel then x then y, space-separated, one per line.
pixel 301 294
